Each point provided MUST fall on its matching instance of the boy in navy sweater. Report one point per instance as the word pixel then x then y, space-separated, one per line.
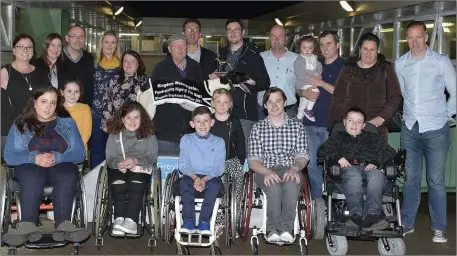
pixel 201 161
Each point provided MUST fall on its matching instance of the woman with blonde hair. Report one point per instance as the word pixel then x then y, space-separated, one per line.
pixel 107 63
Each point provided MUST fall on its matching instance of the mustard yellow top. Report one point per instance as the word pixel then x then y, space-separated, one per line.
pixel 83 118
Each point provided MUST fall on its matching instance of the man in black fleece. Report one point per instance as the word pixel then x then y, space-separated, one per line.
pixel 245 58
pixel 171 120
pixel 371 152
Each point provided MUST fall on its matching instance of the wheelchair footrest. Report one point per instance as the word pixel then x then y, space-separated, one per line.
pixel 342 230
pixel 46 242
pixel 386 233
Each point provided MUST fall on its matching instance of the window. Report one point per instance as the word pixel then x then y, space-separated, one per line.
pixel 387 40
pixel 361 32
pixel 449 41
pixel 151 43
pixel 346 42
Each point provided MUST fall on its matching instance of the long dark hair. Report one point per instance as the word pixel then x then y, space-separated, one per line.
pixel 116 125
pixel 139 72
pixel 28 118
pixel 44 49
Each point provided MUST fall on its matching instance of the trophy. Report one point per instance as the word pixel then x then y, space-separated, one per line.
pixel 222 66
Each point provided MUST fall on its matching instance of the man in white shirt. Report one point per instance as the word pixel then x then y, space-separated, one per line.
pixel 280 67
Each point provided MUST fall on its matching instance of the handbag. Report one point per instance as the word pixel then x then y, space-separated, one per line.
pixel 394 123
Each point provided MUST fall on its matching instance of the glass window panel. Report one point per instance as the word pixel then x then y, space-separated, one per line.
pixel 387 40
pixel 450 36
pixel 151 43
pixel 346 41
pixel 356 47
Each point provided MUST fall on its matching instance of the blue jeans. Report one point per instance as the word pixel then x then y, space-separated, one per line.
pixel 353 190
pixel 187 190
pixel 315 137
pixel 434 146
pixel 32 180
pixel 97 143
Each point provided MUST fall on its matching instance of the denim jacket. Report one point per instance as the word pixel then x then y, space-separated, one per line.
pixel 17 151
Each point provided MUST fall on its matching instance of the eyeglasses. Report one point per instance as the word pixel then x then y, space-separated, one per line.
pixel 24 48
pixel 195 30
pixel 236 30
pixel 79 37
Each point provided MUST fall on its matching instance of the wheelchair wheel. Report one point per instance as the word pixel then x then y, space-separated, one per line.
pixel 336 245
pixel 305 207
pixel 230 211
pixel 233 210
pixel 100 216
pixel 319 218
pixel 391 246
pixel 154 202
pixel 246 205
pixel 5 202
pixel 80 213
pixel 168 211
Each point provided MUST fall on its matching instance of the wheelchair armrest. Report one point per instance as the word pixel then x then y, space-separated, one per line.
pixel 390 169
pixel 331 167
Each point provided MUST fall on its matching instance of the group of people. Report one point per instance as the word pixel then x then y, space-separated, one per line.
pixel 281 127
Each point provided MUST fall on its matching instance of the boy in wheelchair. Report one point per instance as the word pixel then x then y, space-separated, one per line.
pixel 202 162
pixel 360 155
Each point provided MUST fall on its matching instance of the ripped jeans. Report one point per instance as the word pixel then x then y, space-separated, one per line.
pixel 127 191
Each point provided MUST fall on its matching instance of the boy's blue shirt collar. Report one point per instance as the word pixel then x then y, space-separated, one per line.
pixel 203 137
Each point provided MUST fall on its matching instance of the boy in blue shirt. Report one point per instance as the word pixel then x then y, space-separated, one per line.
pixel 201 161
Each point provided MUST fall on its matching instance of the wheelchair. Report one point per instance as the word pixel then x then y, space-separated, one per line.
pixel 390 240
pixel 304 226
pixel 103 216
pixel 172 221
pixel 11 202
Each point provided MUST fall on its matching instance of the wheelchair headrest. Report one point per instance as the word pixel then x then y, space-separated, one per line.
pixel 339 127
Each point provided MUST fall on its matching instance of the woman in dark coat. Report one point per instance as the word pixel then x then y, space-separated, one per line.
pixel 368 82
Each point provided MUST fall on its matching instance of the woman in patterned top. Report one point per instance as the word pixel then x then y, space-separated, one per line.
pixel 44 146
pixel 107 62
pixel 124 86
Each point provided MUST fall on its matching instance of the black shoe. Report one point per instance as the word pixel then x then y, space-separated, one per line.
pixel 354 221
pixel 373 222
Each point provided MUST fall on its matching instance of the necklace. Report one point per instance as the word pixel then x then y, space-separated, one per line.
pixel 27 80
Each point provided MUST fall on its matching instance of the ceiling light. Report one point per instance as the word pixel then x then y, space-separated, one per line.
pixel 347 6
pixel 208 36
pixel 119 11
pixel 139 23
pixel 278 22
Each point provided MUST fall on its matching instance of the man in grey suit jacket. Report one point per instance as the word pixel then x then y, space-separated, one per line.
pixel 206 57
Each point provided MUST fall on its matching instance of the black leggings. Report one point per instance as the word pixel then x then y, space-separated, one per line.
pixel 127 195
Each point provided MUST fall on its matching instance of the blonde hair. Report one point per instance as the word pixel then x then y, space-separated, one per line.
pixel 99 53
pixel 222 91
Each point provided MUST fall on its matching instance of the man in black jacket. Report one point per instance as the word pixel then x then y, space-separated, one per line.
pixel 245 58
pixel 79 62
pixel 171 120
pixel 206 57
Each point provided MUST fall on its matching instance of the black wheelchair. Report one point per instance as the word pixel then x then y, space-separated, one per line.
pixel 103 217
pixel 390 240
pixel 11 202
pixel 172 221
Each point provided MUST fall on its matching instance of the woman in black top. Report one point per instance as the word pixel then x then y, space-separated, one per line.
pixel 51 59
pixel 229 128
pixel 17 81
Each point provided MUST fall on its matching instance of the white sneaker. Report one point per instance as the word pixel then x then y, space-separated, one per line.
pixel 438 237
pixel 129 226
pixel 117 226
pixel 287 237
pixel 273 237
